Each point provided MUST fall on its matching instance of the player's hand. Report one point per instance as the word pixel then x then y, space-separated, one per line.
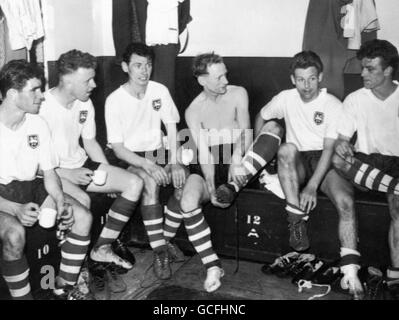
pixel 345 150
pixel 212 195
pixel 158 173
pixel 66 219
pixel 308 198
pixel 216 203
pixel 27 213
pixel 237 175
pixel 80 176
pixel 178 175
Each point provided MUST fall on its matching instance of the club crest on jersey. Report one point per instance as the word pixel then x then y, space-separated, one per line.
pixel 156 104
pixel 83 116
pixel 33 141
pixel 318 117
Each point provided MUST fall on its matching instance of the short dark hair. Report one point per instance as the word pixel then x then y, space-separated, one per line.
pixel 380 49
pixel 74 59
pixel 140 49
pixel 16 73
pixel 306 59
pixel 203 61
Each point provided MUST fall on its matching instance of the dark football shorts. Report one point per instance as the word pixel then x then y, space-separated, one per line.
pixel 24 191
pixel 222 154
pixel 387 164
pixel 160 157
pixel 310 159
pixel 91 165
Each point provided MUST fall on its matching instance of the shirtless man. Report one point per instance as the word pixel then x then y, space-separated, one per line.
pixel 217 118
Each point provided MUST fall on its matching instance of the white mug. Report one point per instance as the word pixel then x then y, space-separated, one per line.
pixel 187 155
pixel 47 217
pixel 99 177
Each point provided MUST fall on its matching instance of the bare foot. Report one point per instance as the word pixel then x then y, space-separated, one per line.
pixel 104 253
pixel 212 281
pixel 351 281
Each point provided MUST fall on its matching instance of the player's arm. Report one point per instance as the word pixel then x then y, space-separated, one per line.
pixel 243 142
pixel 259 123
pixel 26 213
pixel 200 139
pixel 82 176
pixel 244 124
pixel 274 109
pixel 346 127
pixel 308 196
pixel 130 157
pixel 343 147
pixel 53 186
pixel 94 150
pixel 177 170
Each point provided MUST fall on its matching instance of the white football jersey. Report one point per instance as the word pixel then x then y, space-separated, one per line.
pixel 26 150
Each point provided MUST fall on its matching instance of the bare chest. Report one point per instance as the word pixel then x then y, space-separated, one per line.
pixel 218 116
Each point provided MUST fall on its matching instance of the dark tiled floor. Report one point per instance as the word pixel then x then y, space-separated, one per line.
pixel 248 282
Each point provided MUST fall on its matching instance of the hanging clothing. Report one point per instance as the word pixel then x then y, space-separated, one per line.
pixel 39 51
pixel 126 13
pixel 360 25
pixel 11 54
pixel 165 65
pixel 165 54
pixel 125 24
pixel 323 35
pixel 184 15
pixel 3 43
pixel 135 27
pixel 360 16
pixel 162 25
pixel 24 20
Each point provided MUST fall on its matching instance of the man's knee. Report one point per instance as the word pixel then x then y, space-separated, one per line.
pixel 14 240
pixel 150 190
pixel 345 206
pixel 190 200
pixel 178 193
pixel 83 218
pixel 287 152
pixel 150 185
pixel 394 207
pixel 272 127
pixel 84 199
pixel 135 185
pixel 338 163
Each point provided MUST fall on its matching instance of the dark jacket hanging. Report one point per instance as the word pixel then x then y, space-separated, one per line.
pixel 323 35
